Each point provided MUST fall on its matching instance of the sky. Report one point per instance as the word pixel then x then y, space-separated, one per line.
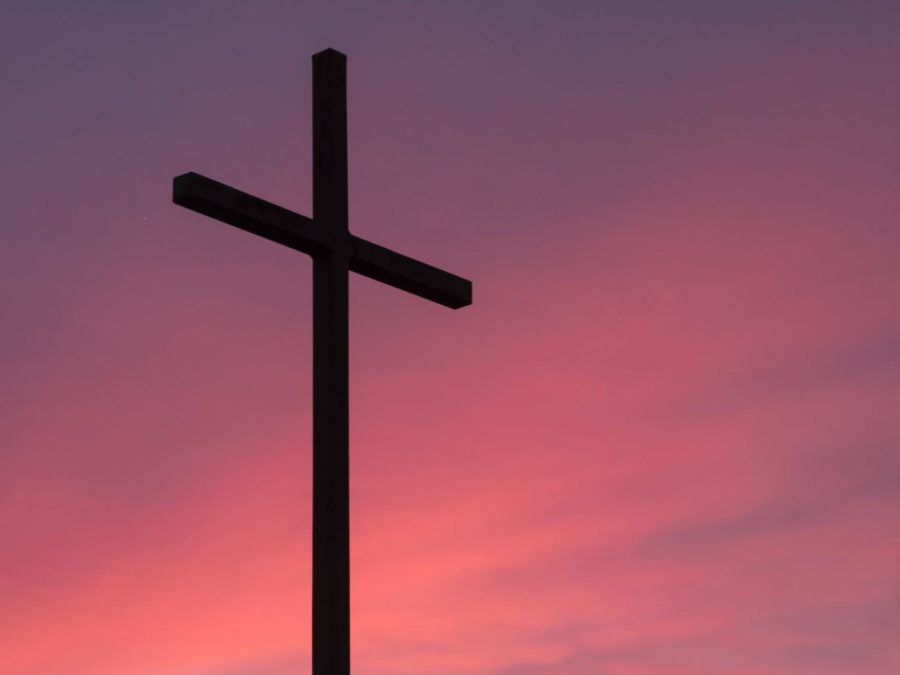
pixel 663 440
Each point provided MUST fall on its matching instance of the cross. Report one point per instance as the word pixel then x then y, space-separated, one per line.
pixel 335 252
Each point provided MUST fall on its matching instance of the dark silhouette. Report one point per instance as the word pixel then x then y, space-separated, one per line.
pixel 335 252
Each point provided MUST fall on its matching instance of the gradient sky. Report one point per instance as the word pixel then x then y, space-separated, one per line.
pixel 663 441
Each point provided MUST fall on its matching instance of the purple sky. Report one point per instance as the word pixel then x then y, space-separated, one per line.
pixel 663 441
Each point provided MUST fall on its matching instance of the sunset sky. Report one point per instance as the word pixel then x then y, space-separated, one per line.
pixel 664 440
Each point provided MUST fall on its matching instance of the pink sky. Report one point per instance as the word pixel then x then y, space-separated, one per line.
pixel 664 439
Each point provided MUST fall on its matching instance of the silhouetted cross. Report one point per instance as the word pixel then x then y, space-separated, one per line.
pixel 335 252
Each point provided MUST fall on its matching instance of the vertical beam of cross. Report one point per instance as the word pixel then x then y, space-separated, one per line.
pixel 331 491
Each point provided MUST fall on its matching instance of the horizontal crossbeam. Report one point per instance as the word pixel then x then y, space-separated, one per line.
pixel 397 270
pixel 300 233
pixel 217 200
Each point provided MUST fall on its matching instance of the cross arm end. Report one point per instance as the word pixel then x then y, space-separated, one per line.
pixel 400 271
pixel 242 210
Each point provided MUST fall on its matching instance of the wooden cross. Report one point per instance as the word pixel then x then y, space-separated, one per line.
pixel 335 252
